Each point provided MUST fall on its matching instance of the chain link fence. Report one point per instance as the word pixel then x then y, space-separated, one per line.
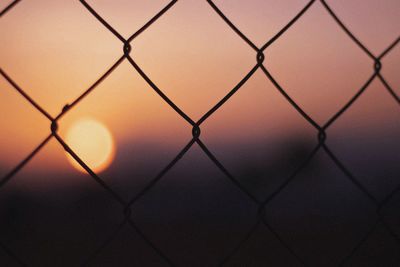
pixel 321 132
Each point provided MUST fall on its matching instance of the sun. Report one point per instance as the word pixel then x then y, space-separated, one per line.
pixel 92 142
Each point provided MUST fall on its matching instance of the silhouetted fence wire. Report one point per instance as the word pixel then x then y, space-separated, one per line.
pixel 262 204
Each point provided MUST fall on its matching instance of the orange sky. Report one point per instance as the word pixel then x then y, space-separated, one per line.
pixel 56 49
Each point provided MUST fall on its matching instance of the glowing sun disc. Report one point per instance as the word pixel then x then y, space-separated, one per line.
pixel 92 142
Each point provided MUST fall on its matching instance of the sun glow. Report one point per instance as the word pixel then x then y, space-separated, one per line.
pixel 92 142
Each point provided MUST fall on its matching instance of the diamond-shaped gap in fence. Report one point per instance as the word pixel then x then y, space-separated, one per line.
pixel 372 22
pixel 113 240
pixel 258 137
pixel 366 139
pixel 260 20
pixel 315 64
pixel 126 249
pixel 23 128
pixel 52 48
pixel 126 16
pixel 261 249
pixel 147 134
pixel 169 53
pixel 189 210
pixel 321 214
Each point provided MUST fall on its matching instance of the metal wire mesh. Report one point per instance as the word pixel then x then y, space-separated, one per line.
pixel 262 204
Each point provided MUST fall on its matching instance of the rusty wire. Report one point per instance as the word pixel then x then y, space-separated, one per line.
pixel 262 204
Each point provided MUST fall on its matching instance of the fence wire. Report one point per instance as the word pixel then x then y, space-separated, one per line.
pixel 262 204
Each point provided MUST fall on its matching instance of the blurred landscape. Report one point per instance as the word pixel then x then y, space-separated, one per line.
pixel 196 215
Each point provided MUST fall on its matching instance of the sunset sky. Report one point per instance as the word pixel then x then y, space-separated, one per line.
pixel 55 50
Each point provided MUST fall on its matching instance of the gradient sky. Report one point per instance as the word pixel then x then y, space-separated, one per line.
pixel 56 49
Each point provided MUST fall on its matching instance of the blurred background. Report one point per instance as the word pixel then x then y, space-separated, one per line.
pixel 55 215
